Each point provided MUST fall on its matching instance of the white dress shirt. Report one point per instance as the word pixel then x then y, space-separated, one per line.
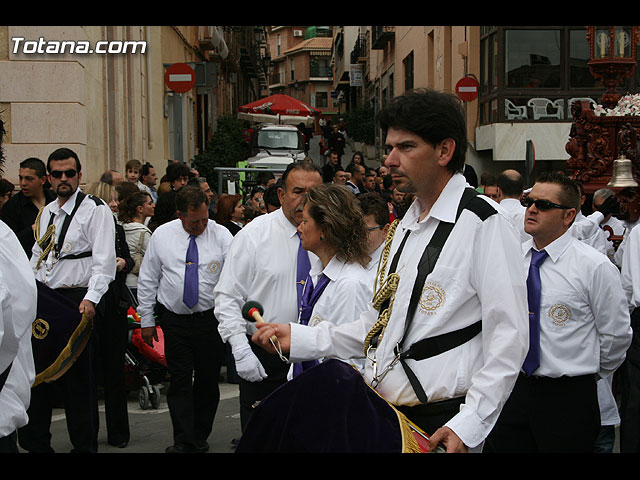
pixel 162 271
pixel 515 212
pixel 18 300
pixel 617 257
pixel 261 267
pixel 479 276
pixel 587 230
pixel 631 269
pixel 584 321
pixel 348 294
pixel 91 229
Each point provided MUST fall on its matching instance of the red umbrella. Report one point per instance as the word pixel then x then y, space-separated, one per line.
pixel 279 104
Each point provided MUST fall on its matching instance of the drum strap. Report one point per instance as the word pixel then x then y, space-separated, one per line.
pixel 432 346
pixel 65 227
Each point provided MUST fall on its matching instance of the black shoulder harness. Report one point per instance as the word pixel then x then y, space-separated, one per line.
pixel 432 346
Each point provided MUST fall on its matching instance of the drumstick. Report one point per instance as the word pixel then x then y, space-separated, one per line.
pixel 252 311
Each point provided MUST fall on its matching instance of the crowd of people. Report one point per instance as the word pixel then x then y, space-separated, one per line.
pixel 493 316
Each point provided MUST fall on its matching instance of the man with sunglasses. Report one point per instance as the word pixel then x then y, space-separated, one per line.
pixel 80 264
pixel 579 331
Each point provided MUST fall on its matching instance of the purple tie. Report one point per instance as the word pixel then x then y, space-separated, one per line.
pixel 303 267
pixel 532 360
pixel 190 295
pixel 309 299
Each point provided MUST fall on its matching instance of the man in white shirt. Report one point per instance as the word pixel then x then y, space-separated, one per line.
pixel 80 265
pixel 148 180
pixel 190 248
pixel 262 267
pixel 612 223
pixel 579 331
pixel 510 186
pixel 476 292
pixel 629 378
pixel 587 229
pixel 18 299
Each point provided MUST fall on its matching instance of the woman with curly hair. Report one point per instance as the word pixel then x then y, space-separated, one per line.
pixel 338 288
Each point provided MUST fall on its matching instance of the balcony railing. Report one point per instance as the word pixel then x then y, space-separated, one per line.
pixel 380 36
pixel 320 72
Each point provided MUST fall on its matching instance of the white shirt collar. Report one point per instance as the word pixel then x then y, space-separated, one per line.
pixel 445 207
pixel 289 227
pixel 69 204
pixel 554 249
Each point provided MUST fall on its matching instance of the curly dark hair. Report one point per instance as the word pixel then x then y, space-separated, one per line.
pixel 433 116
pixel 337 212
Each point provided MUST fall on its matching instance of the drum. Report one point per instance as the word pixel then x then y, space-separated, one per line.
pixel 59 334
pixel 329 409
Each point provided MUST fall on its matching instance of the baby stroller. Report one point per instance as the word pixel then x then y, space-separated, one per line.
pixel 145 366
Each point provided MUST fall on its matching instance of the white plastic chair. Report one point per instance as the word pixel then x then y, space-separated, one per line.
pixel 514 112
pixel 540 108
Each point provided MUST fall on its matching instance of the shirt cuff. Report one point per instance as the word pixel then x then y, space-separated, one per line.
pixel 471 430
pixel 147 321
pixel 93 296
pixel 303 341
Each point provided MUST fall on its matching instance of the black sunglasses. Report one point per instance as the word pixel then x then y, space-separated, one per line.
pixel 541 204
pixel 69 173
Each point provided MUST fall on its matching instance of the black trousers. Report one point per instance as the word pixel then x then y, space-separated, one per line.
pixel 9 444
pixel 112 331
pixel 252 393
pixel 77 389
pixel 194 353
pixel 628 376
pixel 548 415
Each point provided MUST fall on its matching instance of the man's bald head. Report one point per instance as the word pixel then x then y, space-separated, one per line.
pixel 510 184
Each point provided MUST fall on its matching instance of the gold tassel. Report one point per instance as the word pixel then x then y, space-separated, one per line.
pixel 48 236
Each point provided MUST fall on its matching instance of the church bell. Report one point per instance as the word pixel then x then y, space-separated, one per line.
pixel 622 176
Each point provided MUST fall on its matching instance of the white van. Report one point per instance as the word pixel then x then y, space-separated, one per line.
pixel 276 146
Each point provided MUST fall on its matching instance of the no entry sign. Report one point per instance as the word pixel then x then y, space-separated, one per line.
pixel 467 89
pixel 180 77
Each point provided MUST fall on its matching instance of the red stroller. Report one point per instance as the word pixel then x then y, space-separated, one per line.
pixel 145 366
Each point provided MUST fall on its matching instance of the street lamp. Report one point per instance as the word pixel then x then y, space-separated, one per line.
pixel 612 57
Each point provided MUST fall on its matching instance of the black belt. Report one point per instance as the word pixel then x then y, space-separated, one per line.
pixel 203 314
pixel 562 378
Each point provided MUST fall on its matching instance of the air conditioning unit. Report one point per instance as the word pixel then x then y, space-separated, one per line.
pixel 298 33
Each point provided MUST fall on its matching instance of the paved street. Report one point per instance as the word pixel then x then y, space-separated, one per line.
pixel 151 430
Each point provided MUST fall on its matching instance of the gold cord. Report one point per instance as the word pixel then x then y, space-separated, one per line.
pixel 47 237
pixel 384 288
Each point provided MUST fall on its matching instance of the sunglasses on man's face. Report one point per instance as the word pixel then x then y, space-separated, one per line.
pixel 541 204
pixel 68 173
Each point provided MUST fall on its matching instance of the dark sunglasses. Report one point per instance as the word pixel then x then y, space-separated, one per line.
pixel 541 204
pixel 69 173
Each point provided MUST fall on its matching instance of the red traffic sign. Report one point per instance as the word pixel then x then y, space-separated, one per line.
pixel 180 77
pixel 467 89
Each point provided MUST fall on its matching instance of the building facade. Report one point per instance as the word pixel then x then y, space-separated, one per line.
pixel 528 77
pixel 301 64
pixel 102 91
